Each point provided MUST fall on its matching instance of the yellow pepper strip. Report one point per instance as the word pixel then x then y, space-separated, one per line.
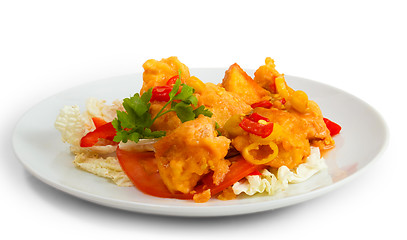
pixel 281 87
pixel 275 136
pixel 232 126
pixel 256 146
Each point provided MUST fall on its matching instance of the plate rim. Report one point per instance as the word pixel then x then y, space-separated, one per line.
pixel 201 210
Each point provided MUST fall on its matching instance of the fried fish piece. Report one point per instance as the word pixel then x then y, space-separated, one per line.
pixel 189 152
pixel 237 81
pixel 157 73
pixel 223 104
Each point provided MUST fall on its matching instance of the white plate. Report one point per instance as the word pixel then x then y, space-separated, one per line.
pixel 38 146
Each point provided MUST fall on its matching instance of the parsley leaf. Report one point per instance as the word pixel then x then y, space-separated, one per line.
pixel 202 110
pixel 184 111
pixel 135 122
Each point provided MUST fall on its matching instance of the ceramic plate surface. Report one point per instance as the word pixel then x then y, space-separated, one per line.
pixel 38 146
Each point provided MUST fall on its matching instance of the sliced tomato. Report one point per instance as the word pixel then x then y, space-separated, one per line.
pixel 142 170
pixel 255 172
pixel 239 169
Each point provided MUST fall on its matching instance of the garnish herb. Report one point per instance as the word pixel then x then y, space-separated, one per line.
pixel 135 122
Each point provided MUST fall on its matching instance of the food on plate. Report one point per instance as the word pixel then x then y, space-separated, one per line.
pixel 182 138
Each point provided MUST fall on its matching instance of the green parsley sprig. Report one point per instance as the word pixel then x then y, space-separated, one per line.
pixel 135 122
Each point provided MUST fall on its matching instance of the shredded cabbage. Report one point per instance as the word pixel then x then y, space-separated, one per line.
pixel 73 124
pixel 98 108
pixel 272 183
pixel 104 167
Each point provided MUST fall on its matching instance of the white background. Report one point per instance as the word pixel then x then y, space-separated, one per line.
pixel 358 46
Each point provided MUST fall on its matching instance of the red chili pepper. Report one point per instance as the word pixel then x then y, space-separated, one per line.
pixel 283 101
pixel 256 117
pixel 262 130
pixel 172 80
pixel 161 94
pixel 273 88
pixel 265 104
pixel 106 131
pixel 333 128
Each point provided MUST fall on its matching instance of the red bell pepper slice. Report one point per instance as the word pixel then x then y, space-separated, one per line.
pixel 254 127
pixel 98 121
pixel 264 104
pixel 106 131
pixel 333 128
